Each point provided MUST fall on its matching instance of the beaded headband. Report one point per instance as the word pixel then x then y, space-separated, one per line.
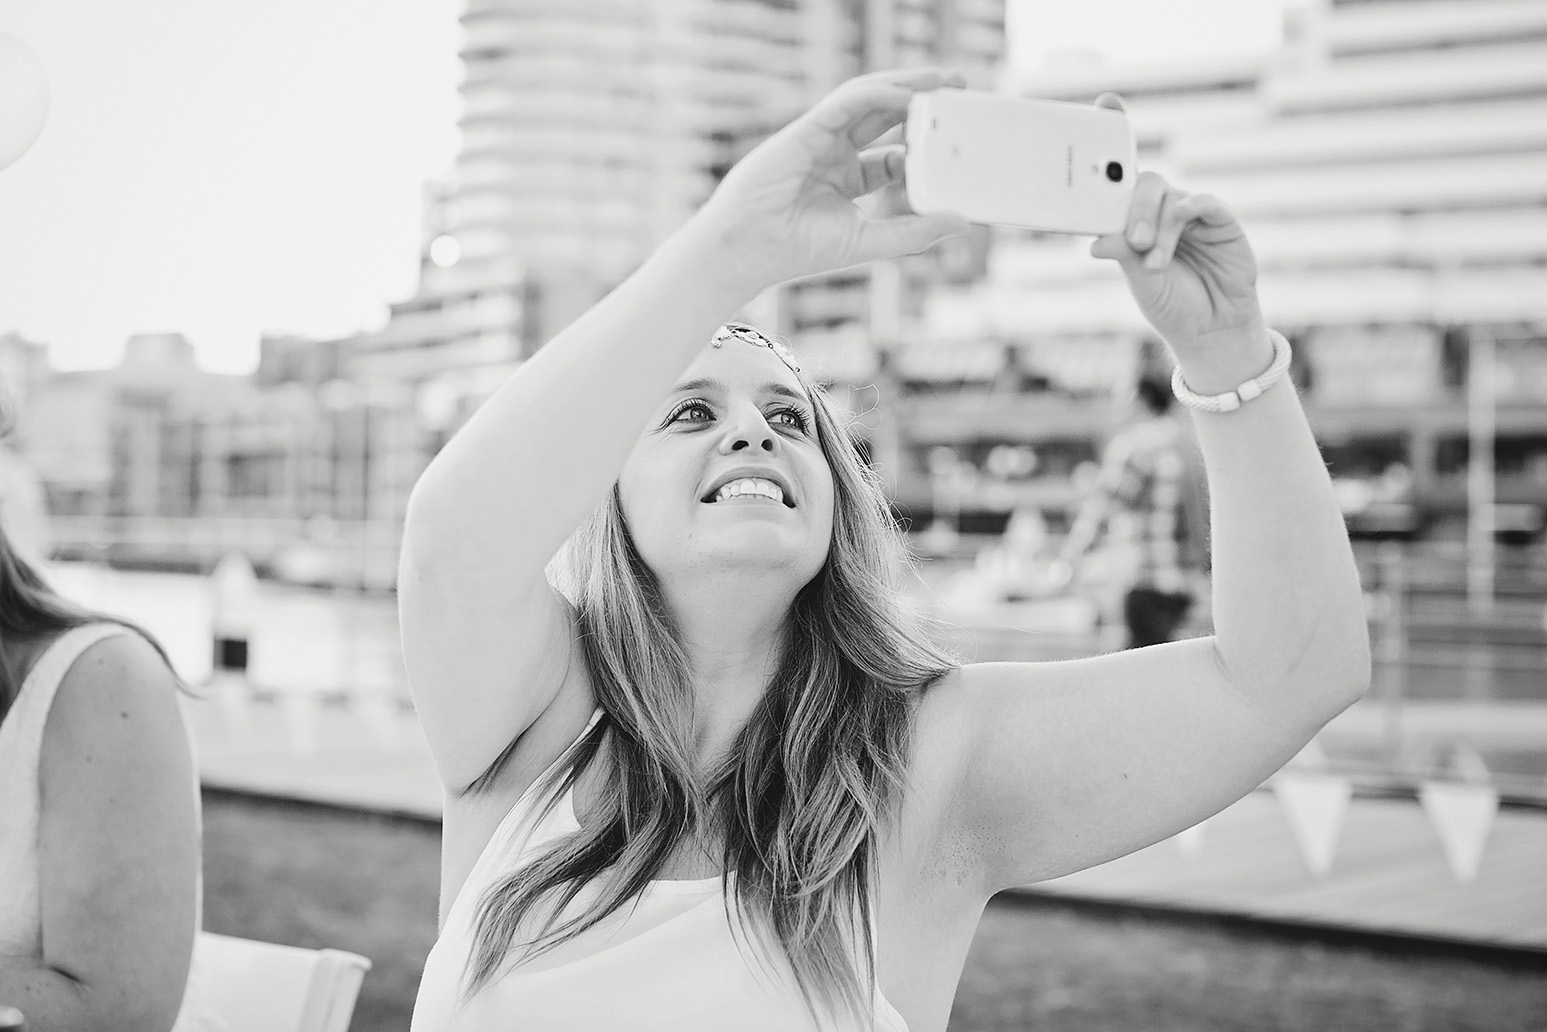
pixel 751 335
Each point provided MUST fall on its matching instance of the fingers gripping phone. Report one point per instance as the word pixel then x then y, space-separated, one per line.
pixel 1009 161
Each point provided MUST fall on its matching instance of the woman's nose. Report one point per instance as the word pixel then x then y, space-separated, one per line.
pixel 749 433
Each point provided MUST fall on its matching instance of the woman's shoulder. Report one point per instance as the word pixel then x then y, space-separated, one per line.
pixel 949 721
pixel 114 747
pixel 62 647
pixel 954 713
pixel 115 649
pixel 116 683
pixel 94 651
pixel 940 709
pixel 938 749
pixel 82 636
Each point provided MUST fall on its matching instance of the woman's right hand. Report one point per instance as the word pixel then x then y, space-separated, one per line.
pixel 787 209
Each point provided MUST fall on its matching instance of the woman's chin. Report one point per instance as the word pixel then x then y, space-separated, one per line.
pixel 758 539
pixel 755 548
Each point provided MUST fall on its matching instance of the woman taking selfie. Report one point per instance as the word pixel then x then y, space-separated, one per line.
pixel 711 774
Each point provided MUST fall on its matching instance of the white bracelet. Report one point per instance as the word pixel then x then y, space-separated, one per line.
pixel 1232 400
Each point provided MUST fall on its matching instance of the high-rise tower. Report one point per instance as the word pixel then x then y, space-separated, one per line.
pixel 592 129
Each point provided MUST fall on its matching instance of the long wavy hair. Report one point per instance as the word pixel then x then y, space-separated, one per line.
pixel 805 790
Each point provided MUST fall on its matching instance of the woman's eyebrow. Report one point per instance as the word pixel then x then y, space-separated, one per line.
pixel 703 383
pixel 711 385
pixel 785 392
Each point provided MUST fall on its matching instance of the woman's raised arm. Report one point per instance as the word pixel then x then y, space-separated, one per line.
pixel 485 638
pixel 1058 766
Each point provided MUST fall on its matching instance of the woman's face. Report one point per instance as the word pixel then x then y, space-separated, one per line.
pixel 729 474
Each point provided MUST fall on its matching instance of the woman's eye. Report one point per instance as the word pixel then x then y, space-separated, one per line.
pixel 792 417
pixel 700 412
pixel 692 412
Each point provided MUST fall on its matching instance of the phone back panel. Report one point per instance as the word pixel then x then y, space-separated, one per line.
pixel 1009 161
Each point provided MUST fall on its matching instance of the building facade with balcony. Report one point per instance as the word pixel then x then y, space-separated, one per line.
pixel 1389 163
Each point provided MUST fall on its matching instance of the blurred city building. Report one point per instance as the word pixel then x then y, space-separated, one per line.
pixel 99 436
pixel 1389 161
pixel 23 363
pixel 1390 165
pixel 23 504
pixel 592 130
pixel 156 462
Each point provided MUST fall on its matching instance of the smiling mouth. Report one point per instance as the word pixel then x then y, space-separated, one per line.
pixel 750 489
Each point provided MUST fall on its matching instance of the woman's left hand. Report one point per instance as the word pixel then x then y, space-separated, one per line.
pixel 1188 265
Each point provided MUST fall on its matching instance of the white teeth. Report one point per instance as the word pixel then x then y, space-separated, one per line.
pixel 750 486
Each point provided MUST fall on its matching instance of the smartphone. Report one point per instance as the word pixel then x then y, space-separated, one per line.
pixel 1009 161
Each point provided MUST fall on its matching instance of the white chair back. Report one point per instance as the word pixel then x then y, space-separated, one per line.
pixel 265 987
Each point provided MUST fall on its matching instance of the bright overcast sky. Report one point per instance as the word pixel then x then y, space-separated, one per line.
pixel 223 168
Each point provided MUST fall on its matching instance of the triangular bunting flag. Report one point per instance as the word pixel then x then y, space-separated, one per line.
pixel 1315 805
pixel 1462 816
pixel 301 710
pixel 1466 764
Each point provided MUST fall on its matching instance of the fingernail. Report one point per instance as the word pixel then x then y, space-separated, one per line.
pixel 1142 233
pixel 1155 260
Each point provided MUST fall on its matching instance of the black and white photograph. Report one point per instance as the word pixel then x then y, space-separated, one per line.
pixel 773 516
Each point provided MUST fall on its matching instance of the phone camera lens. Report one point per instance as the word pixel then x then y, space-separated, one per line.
pixel 1115 171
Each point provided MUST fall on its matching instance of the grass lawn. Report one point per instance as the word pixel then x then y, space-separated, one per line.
pixel 314 876
pixel 1067 967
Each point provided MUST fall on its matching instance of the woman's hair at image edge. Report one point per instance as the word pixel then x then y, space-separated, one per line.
pixel 805 789
pixel 29 608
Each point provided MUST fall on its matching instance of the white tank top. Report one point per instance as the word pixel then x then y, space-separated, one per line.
pixel 21 746
pixel 669 962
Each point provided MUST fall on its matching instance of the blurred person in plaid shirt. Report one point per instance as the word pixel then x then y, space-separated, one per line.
pixel 1148 509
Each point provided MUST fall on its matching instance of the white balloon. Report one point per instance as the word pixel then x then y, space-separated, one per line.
pixel 23 98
